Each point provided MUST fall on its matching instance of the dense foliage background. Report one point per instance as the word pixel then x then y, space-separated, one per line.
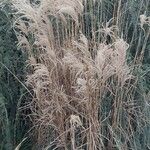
pixel 14 121
pixel 13 124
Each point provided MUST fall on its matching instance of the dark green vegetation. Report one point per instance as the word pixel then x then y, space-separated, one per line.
pixel 135 117
pixel 13 122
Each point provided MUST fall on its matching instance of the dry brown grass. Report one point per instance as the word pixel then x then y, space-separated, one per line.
pixel 71 77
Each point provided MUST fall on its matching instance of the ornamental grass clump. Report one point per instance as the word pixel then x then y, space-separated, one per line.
pixel 83 86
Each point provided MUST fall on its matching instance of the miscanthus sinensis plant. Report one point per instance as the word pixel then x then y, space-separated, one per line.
pixel 84 87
